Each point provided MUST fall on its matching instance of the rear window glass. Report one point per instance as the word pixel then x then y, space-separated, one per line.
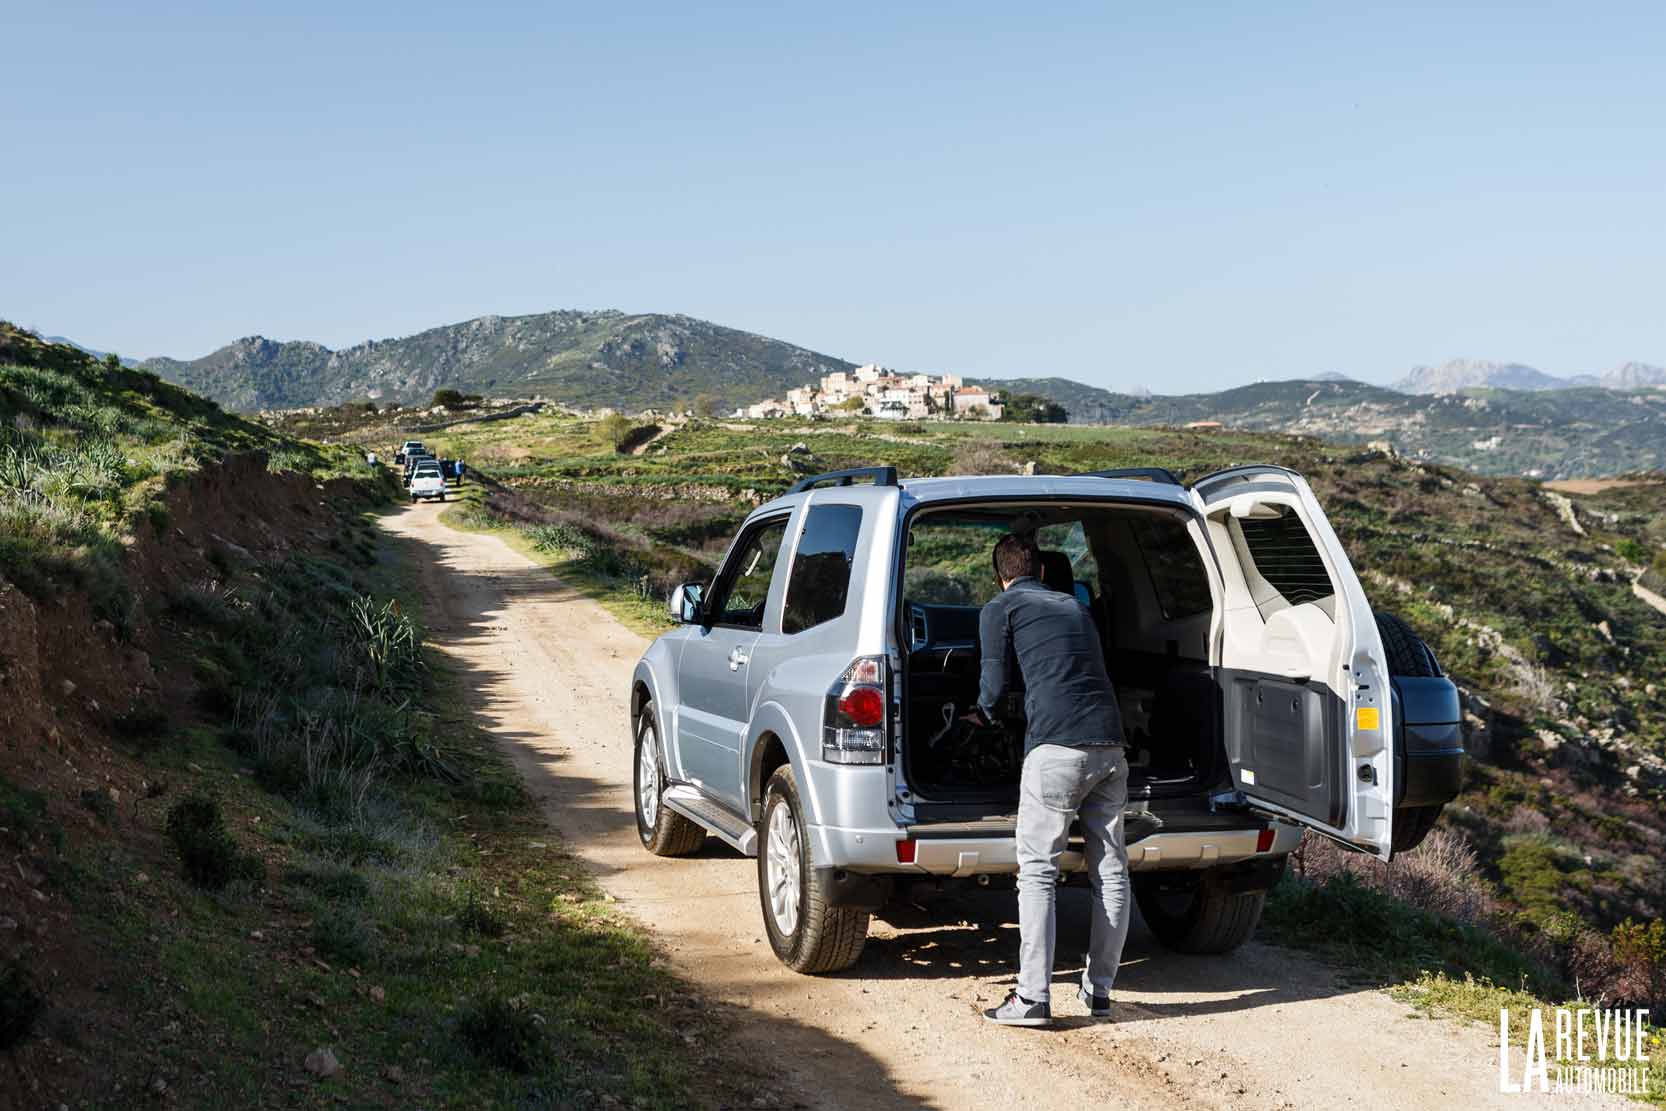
pixel 1176 570
pixel 820 579
pixel 1284 555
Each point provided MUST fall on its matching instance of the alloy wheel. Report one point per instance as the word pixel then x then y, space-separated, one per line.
pixel 786 872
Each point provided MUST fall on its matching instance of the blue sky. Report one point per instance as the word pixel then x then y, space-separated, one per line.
pixel 1178 196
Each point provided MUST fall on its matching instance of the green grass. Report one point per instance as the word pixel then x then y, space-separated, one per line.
pixel 440 927
pixel 1383 941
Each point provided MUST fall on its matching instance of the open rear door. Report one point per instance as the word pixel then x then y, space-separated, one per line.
pixel 1303 677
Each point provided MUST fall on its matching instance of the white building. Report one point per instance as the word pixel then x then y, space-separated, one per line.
pixel 976 401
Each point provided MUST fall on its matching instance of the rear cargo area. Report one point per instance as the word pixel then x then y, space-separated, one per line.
pixel 1135 568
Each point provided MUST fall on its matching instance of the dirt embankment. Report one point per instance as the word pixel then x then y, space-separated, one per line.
pixel 70 674
pixel 75 685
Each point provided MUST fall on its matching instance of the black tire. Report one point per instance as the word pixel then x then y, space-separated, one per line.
pixel 669 834
pixel 1190 913
pixel 1412 824
pixel 1407 654
pixel 442 496
pixel 824 937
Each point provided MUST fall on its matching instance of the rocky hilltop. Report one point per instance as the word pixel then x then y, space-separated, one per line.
pixel 1464 374
pixel 582 358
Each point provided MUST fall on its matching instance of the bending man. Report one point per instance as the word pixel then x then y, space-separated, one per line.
pixel 1073 761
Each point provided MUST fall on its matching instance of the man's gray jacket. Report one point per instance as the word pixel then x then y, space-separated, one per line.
pixel 1068 697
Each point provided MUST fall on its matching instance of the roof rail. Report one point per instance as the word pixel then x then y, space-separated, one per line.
pixel 1146 474
pixel 881 476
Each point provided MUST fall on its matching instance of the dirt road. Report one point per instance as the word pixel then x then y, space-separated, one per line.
pixel 1262 1028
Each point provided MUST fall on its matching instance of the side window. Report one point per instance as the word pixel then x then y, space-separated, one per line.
pixel 1177 575
pixel 1284 555
pixel 743 586
pixel 820 578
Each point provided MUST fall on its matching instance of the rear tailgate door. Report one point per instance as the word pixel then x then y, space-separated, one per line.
pixel 1303 676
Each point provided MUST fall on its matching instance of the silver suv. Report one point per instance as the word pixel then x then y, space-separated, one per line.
pixel 807 708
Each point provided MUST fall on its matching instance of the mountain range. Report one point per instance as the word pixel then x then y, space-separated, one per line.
pixel 1464 374
pixel 605 358
pixel 1553 433
pixel 1494 418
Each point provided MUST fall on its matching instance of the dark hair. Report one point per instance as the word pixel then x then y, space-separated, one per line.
pixel 1015 557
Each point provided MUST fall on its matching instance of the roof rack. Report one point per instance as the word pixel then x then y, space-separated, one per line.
pixel 881 476
pixel 1146 474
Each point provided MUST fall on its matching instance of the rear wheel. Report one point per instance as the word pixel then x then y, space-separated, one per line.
pixel 663 831
pixel 1190 913
pixel 1410 656
pixel 805 929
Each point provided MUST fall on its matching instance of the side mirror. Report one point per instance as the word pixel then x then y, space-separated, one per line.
pixel 685 602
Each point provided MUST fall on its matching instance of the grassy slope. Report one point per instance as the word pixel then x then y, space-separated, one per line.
pixel 87 450
pixel 438 939
pixel 399 900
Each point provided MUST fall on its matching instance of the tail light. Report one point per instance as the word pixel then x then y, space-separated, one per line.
pixel 853 724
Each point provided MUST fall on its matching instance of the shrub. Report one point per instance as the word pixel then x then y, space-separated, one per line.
pixel 612 429
pixel 503 1031
pixel 560 538
pixel 334 882
pixel 21 1006
pixel 1530 872
pixel 388 640
pixel 448 399
pixel 342 935
pixel 476 917
pixel 207 853
pixel 981 457
pixel 1442 875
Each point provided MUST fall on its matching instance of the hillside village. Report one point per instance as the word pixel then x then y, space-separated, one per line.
pixel 878 391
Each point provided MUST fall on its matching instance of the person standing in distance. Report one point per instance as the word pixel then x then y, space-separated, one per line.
pixel 1073 762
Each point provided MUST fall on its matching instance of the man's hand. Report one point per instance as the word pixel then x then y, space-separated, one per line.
pixel 976 717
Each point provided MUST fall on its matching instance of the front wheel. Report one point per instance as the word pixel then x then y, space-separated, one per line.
pixel 663 831
pixel 805 929
pixel 1190 913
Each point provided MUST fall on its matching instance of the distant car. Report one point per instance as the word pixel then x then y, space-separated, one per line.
pixel 427 481
pixel 411 461
pixel 408 449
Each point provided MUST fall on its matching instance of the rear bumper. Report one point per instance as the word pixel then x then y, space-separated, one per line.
pixel 996 853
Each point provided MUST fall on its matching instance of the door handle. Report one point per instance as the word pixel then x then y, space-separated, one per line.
pixel 736 658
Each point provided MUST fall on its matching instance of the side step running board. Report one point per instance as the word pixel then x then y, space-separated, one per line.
pixel 718 819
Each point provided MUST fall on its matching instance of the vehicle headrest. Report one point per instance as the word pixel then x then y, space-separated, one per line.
pixel 1056 573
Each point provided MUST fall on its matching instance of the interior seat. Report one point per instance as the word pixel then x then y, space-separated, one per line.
pixel 1056 572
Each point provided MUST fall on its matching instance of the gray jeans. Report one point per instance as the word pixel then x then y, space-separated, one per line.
pixel 1057 782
